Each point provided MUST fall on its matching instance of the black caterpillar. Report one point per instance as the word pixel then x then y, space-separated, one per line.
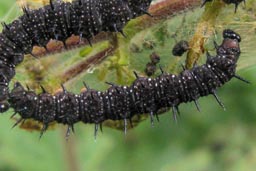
pixel 145 95
pixel 59 20
pixel 236 2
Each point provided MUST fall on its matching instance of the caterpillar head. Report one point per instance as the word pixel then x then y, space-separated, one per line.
pixel 230 45
pixel 230 34
pixel 22 101
pixel 227 53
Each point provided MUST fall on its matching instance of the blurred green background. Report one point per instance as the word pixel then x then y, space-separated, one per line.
pixel 211 140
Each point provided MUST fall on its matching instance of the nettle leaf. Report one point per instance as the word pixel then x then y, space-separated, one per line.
pixel 113 58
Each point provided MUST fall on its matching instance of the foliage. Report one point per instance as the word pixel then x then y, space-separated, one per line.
pixel 210 140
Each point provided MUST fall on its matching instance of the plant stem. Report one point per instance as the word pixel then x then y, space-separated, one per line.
pixel 205 28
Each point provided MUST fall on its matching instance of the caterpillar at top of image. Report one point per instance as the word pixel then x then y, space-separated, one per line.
pixel 144 95
pixel 59 20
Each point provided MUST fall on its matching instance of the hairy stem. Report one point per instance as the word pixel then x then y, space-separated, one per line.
pixel 204 29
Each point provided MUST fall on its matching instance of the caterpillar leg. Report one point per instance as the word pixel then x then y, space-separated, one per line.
pixel 236 2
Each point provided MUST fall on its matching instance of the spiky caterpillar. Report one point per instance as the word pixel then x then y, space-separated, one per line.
pixel 145 95
pixel 59 20
pixel 236 2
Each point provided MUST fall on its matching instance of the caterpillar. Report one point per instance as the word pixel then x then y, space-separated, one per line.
pixel 59 20
pixel 144 95
pixel 236 2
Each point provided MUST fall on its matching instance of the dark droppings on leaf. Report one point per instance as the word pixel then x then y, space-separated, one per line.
pixel 180 48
